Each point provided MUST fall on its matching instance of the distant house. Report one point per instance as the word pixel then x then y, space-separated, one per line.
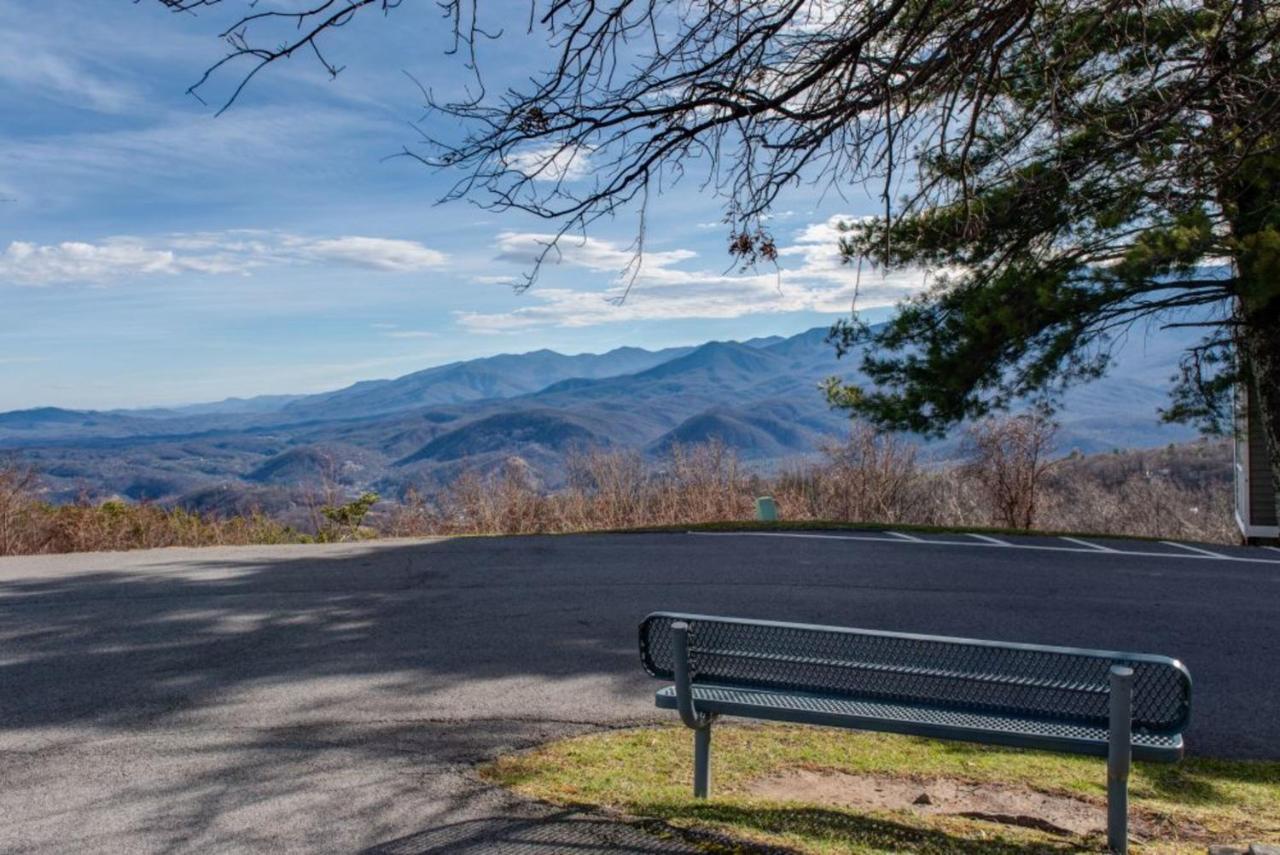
pixel 1255 491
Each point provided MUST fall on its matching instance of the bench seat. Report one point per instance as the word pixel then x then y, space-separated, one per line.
pixel 996 729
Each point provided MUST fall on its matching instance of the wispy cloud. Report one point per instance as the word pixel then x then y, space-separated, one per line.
pixel 181 156
pixel 552 163
pixel 604 256
pixel 399 256
pixel 231 252
pixel 810 277
pixel 44 67
pixel 41 72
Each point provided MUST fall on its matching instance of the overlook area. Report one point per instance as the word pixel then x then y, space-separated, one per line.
pixel 348 691
pixel 536 427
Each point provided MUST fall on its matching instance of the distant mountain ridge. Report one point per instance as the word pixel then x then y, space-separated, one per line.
pixel 503 376
pixel 760 397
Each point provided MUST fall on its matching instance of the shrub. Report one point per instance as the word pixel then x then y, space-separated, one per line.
pixel 344 522
pixel 871 476
pixel 1009 458
pixel 1182 492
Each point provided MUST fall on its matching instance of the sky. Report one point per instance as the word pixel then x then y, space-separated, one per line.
pixel 153 252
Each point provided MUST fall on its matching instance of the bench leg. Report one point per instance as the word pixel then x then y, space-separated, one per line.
pixel 1119 756
pixel 702 762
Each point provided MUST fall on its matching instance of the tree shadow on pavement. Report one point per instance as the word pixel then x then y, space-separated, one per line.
pixel 327 699
pixel 410 629
pixel 333 697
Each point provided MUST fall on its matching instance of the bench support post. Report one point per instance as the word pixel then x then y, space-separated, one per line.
pixel 1119 756
pixel 702 762
pixel 700 722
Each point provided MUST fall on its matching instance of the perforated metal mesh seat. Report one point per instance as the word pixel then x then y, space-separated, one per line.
pixel 919 721
pixel 1055 698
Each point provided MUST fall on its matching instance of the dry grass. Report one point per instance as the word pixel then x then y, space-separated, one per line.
pixel 868 479
pixel 1176 493
pixel 1176 809
pixel 30 526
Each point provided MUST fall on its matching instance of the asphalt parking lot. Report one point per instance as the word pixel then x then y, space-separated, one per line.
pixel 337 699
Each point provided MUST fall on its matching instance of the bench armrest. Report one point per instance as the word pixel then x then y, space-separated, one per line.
pixel 684 683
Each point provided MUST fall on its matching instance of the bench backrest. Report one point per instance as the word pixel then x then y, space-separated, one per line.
pixel 1025 680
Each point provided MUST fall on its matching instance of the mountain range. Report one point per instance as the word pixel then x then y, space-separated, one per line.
pixel 761 397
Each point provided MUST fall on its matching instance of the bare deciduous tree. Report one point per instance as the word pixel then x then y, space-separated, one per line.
pixel 871 476
pixel 1010 458
pixel 18 486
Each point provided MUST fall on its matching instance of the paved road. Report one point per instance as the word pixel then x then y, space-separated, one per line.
pixel 336 699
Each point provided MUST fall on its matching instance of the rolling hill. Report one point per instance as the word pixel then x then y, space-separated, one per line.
pixel 761 397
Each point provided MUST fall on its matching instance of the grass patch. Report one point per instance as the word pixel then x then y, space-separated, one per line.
pixel 646 773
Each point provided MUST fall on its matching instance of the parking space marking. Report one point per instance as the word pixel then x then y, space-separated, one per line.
pixel 984 542
pixel 1193 549
pixel 1096 547
pixel 993 541
pixel 906 537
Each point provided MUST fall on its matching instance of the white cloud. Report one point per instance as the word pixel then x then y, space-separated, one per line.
pixel 76 261
pixel 410 334
pixel 810 277
pixel 552 163
pixel 400 256
pixel 592 253
pixel 230 252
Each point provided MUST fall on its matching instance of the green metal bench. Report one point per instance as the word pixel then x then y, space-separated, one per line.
pixel 1104 703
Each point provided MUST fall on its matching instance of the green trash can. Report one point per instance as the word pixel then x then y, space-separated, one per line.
pixel 766 509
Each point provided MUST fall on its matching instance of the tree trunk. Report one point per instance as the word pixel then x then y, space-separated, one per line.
pixel 1262 353
pixel 1250 197
pixel 1256 229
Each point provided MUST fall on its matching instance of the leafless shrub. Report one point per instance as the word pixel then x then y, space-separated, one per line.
pixel 413 516
pixel 30 526
pixel 18 531
pixel 1166 494
pixel 870 476
pixel 607 490
pixel 1180 492
pixel 702 483
pixel 949 496
pixel 504 502
pixel 1009 457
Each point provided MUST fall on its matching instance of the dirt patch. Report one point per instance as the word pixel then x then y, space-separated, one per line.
pixel 1010 805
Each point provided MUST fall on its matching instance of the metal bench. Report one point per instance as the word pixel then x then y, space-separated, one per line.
pixel 1108 704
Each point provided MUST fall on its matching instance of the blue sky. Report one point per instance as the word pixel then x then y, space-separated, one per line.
pixel 152 253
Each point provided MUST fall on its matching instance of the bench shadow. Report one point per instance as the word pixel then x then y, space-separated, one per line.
pixel 849 829
pixel 563 831
pixel 1189 782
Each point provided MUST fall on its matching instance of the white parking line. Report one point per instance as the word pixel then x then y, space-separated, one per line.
pixel 990 540
pixel 1096 547
pixel 905 537
pixel 1193 549
pixel 983 542
pixel 1274 548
